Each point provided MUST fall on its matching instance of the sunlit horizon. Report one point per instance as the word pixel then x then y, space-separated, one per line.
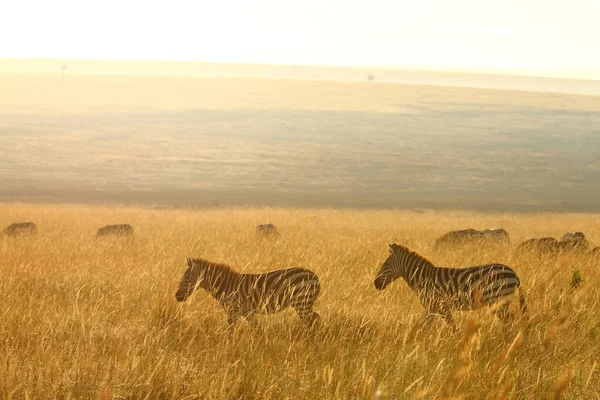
pixel 537 73
pixel 540 38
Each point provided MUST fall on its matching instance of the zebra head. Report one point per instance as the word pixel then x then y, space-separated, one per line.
pixel 189 281
pixel 389 269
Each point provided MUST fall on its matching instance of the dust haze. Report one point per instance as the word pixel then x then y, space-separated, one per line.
pixel 266 137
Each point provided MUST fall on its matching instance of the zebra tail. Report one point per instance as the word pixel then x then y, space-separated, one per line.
pixel 522 301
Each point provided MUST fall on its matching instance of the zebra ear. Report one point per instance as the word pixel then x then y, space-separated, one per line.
pixel 189 261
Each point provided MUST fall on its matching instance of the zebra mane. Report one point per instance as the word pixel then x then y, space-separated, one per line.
pixel 218 266
pixel 404 249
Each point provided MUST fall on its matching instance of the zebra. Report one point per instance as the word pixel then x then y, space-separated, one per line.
pixel 244 295
pixel 20 229
pixel 115 230
pixel 442 290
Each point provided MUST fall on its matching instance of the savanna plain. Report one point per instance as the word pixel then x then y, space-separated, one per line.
pixel 342 169
pixel 87 318
pixel 182 141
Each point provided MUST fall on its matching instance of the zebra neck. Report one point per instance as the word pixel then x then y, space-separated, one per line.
pixel 222 282
pixel 418 271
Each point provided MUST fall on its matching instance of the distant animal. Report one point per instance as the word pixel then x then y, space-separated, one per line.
pixel 442 290
pixel 267 230
pixel 20 229
pixel 457 236
pixel 244 295
pixel 596 251
pixel 574 241
pixel 547 246
pixel 115 230
pixel 495 236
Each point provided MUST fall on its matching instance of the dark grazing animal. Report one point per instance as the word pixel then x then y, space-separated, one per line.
pixel 20 229
pixel 575 241
pixel 454 237
pixel 267 230
pixel 465 236
pixel 244 295
pixel 497 234
pixel 115 230
pixel 442 290
pixel 545 246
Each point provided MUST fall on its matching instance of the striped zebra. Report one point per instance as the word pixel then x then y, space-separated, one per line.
pixel 441 290
pixel 244 295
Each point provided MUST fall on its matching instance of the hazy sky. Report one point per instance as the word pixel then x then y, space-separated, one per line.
pixel 559 37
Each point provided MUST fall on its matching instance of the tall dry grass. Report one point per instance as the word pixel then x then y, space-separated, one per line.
pixel 81 318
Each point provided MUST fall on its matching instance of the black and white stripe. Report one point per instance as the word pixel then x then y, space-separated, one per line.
pixel 441 290
pixel 243 295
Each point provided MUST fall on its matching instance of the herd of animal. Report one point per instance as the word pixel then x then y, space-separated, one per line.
pixel 22 229
pixel 569 242
pixel 440 290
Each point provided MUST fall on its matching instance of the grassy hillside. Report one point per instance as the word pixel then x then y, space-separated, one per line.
pixel 97 319
pixel 195 141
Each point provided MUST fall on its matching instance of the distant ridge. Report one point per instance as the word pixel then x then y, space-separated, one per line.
pixel 301 72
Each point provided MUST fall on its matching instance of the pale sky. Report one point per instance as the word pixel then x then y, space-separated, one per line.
pixel 559 37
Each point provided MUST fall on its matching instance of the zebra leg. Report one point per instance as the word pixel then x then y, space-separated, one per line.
pixel 303 306
pixel 432 308
pixel 522 301
pixel 232 317
pixel 308 315
pixel 503 312
pixel 447 314
pixel 438 307
pixel 251 320
pixel 313 319
pixel 428 316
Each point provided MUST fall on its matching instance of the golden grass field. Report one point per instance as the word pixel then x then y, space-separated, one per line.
pixel 81 318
